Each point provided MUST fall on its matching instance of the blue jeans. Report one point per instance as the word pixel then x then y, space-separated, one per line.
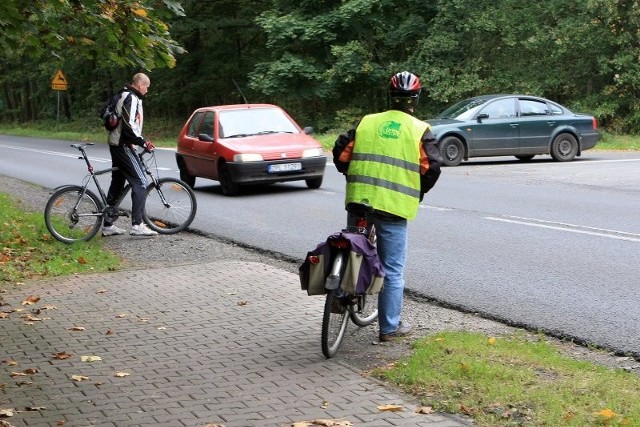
pixel 392 251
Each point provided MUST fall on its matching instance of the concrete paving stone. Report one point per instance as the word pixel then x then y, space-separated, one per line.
pixel 257 363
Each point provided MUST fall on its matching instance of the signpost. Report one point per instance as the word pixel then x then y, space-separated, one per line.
pixel 59 83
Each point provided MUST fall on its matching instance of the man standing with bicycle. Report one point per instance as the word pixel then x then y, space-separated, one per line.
pixel 122 141
pixel 390 159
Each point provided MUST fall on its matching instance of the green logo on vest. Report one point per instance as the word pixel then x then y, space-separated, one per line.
pixel 389 130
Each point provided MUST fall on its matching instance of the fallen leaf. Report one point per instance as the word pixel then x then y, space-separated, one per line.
pixel 606 414
pixel 79 378
pixel 6 412
pixel 101 291
pixel 24 373
pixel 61 355
pixel 325 404
pixel 323 422
pixel 4 315
pixel 77 328
pixel 30 318
pixel 121 374
pixel 35 408
pixel 243 302
pixel 17 374
pixel 121 315
pixel 21 383
pixel 491 341
pixel 31 299
pixel 390 408
pixel 90 358
pixel 49 307
pixel 161 328
pixel 109 332
pixel 82 260
pixel 425 410
pixel 9 362
pixel 60 423
pixel 142 319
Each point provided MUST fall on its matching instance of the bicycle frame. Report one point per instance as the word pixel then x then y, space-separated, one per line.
pixel 93 176
pixel 75 213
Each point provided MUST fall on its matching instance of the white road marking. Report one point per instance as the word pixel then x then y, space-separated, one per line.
pixel 572 228
pixel 54 153
pixel 71 156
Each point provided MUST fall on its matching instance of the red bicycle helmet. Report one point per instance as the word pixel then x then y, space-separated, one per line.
pixel 404 90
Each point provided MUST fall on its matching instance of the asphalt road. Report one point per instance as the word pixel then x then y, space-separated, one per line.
pixel 546 245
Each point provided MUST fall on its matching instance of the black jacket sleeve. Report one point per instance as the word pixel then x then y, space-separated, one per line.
pixel 341 143
pixel 429 179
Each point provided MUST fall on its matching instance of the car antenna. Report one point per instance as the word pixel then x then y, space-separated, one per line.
pixel 239 90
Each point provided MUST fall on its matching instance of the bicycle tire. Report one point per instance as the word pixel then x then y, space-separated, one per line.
pixel 179 211
pixel 334 324
pixel 367 313
pixel 73 214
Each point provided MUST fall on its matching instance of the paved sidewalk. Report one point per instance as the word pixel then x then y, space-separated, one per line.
pixel 223 343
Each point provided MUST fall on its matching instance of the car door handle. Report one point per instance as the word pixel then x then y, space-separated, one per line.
pixel 551 123
pixel 513 125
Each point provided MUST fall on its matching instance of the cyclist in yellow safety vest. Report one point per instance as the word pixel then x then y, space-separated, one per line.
pixel 390 159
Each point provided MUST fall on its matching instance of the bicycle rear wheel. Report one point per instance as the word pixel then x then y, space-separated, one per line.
pixel 170 206
pixel 73 214
pixel 334 324
pixel 365 312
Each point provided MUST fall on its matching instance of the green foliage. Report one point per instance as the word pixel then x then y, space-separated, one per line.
pixel 318 59
pixel 515 380
pixel 28 250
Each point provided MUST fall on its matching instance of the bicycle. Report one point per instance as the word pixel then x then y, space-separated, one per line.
pixel 340 306
pixel 74 213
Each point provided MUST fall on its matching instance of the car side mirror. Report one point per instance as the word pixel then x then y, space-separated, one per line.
pixel 482 116
pixel 205 137
pixel 307 130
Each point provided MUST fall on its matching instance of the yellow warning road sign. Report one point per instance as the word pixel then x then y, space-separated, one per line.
pixel 59 81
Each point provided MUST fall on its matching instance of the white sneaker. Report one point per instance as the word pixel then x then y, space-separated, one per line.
pixel 112 230
pixel 142 230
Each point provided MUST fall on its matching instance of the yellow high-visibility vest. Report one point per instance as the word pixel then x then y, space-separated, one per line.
pixel 385 163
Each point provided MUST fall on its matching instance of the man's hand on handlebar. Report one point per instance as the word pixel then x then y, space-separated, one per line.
pixel 148 146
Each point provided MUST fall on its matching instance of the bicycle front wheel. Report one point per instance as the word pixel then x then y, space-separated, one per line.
pixel 365 312
pixel 73 214
pixel 334 324
pixel 170 206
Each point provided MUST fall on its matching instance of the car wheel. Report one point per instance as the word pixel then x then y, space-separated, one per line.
pixel 184 175
pixel 452 151
pixel 526 158
pixel 314 183
pixel 229 188
pixel 564 147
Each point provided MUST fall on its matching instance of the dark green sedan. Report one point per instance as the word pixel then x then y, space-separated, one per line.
pixel 512 125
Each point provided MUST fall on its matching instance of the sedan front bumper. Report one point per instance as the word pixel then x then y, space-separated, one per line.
pixel 248 173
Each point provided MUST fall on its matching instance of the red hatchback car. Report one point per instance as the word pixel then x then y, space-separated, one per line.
pixel 248 144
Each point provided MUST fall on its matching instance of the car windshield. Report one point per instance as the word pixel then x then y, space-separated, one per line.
pixel 463 110
pixel 254 121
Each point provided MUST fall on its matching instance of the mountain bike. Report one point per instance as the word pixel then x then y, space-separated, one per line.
pixel 74 213
pixel 340 306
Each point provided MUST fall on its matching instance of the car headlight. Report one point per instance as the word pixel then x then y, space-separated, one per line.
pixel 240 158
pixel 313 152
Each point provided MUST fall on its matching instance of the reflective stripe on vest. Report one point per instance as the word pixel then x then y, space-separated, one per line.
pixel 385 165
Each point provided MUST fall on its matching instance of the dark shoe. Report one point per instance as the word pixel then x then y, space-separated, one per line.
pixel 403 330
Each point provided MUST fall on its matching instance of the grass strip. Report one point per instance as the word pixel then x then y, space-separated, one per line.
pixel 519 379
pixel 29 251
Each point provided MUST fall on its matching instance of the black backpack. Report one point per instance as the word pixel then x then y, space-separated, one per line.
pixel 109 112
